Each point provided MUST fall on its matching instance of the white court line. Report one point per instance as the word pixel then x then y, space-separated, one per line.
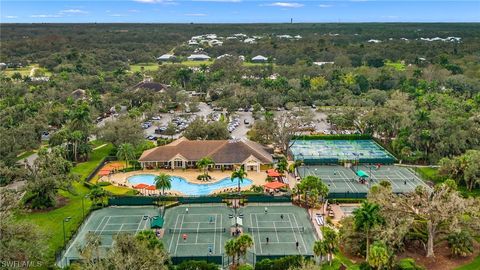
pixel 215 234
pixel 393 182
pixel 259 239
pixel 194 244
pixel 173 236
pixel 178 237
pixel 293 231
pixel 111 224
pixel 251 222
pixel 105 225
pixel 301 236
pixel 101 222
pixel 220 246
pixel 276 233
pixel 349 185
pixel 196 236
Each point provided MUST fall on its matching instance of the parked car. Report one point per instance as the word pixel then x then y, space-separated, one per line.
pixel 156 117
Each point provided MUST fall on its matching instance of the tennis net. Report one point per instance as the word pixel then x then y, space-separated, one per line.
pixel 113 232
pixel 276 229
pixel 196 230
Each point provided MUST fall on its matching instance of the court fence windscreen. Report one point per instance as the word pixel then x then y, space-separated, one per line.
pixel 315 152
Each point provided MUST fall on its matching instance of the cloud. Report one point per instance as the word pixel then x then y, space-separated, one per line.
pixel 11 17
pixel 133 10
pixel 195 14
pixel 45 16
pixel 285 4
pixel 117 15
pixel 325 6
pixel 74 11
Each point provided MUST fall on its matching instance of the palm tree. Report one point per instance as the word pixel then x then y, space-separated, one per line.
pixel 203 164
pixel 244 242
pixel 126 152
pixel 96 194
pixel 163 181
pixel 239 174
pixel 231 249
pixel 320 249
pixel 330 240
pixel 367 217
pixel 76 138
pixel 80 118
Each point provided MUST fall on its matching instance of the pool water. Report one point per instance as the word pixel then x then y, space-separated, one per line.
pixel 181 185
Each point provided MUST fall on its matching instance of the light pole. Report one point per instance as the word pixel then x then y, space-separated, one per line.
pixel 67 219
pixel 83 205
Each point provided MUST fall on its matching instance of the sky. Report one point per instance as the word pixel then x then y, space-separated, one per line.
pixel 237 11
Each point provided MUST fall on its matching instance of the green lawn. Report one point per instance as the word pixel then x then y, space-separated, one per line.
pixel 25 71
pixel 147 67
pixel 51 222
pixel 431 174
pixel 475 265
pixel 397 65
pixel 25 154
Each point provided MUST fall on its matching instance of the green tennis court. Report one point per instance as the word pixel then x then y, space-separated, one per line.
pixel 287 228
pixel 107 223
pixel 336 151
pixel 346 180
pixel 206 229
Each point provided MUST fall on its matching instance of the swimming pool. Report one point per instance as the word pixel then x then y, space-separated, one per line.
pixel 181 185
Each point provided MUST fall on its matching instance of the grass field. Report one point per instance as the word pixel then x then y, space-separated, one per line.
pixel 475 265
pixel 50 222
pixel 431 174
pixel 396 65
pixel 152 66
pixel 25 71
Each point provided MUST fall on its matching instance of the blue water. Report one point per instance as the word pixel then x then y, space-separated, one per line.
pixel 181 185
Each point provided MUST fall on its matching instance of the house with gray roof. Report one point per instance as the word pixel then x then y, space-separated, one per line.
pixel 227 154
pixel 198 57
pixel 259 59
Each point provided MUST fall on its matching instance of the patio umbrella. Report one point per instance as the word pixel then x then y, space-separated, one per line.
pixel 274 185
pixel 104 172
pixel 273 173
pixel 151 188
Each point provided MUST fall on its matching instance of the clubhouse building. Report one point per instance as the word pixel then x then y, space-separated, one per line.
pixel 227 154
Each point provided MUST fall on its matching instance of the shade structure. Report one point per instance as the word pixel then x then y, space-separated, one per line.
pixel 112 166
pixel 104 172
pixel 156 222
pixel 140 186
pixel 362 174
pixel 273 173
pixel 274 185
pixel 151 188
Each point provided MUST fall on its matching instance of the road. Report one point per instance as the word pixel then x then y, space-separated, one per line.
pixel 241 131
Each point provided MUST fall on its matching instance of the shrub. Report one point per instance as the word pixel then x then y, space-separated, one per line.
pixel 196 265
pixel 204 177
pixel 245 267
pixel 287 262
pixel 407 264
pixel 460 243
pixel 103 184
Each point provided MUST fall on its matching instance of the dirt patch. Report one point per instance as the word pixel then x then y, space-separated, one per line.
pixel 442 261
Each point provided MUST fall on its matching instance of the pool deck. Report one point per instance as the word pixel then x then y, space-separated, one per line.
pixel 120 179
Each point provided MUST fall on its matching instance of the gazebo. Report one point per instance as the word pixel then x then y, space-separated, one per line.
pixel 275 185
pixel 273 173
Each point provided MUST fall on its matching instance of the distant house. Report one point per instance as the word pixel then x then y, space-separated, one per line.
pixel 79 94
pixel 223 55
pixel 226 154
pixel 3 66
pixel 284 36
pixel 166 57
pixel 259 59
pixel 198 57
pixel 374 41
pixel 148 84
pixel 215 42
pixel 250 41
pixel 192 42
pixel 323 63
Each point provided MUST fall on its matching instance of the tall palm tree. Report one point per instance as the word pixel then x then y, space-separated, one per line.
pixel 126 152
pixel 366 218
pixel 231 249
pixel 97 194
pixel 239 174
pixel 163 181
pixel 76 138
pixel 320 249
pixel 80 118
pixel 203 164
pixel 244 242
pixel 330 239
